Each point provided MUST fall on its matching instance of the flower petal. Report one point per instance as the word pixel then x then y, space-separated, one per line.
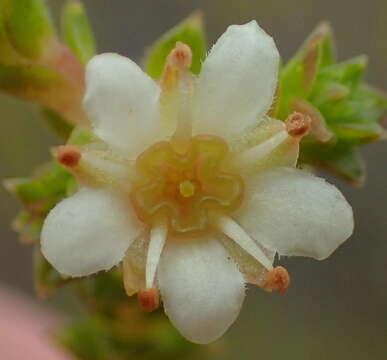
pixel 201 287
pixel 122 102
pixel 237 81
pixel 88 232
pixel 295 213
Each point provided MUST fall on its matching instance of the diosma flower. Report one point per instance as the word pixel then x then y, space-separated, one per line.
pixel 191 185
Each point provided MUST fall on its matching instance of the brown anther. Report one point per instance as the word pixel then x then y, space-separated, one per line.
pixel 68 155
pixel 181 56
pixel 298 124
pixel 149 299
pixel 277 279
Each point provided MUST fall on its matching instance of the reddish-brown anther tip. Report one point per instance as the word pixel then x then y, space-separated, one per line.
pixel 68 155
pixel 277 280
pixel 149 299
pixel 181 56
pixel 298 124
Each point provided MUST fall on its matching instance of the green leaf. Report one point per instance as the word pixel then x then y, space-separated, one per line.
pixel 38 195
pixel 343 160
pixel 348 73
pixel 298 76
pixel 77 31
pixel 27 25
pixel 190 32
pixel 47 186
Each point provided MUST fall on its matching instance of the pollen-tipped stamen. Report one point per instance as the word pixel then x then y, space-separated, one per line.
pixel 68 155
pixel 298 124
pixel 277 280
pixel 178 62
pixel 181 56
pixel 149 299
pixel 177 84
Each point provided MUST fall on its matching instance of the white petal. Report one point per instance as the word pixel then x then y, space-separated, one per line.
pixel 201 287
pixel 237 81
pixel 88 232
pixel 295 213
pixel 122 102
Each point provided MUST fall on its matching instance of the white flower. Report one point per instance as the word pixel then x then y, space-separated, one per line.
pixel 192 185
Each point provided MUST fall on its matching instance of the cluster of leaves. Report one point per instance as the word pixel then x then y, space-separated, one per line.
pixel 34 65
pixel 346 112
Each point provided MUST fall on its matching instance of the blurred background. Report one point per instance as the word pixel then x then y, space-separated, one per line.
pixel 335 309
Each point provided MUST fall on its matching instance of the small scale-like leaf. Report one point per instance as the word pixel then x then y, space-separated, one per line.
pixel 190 32
pixel 39 195
pixel 348 73
pixel 49 183
pixel 77 31
pixel 298 76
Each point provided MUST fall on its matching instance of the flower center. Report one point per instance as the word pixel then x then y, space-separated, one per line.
pixel 185 187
